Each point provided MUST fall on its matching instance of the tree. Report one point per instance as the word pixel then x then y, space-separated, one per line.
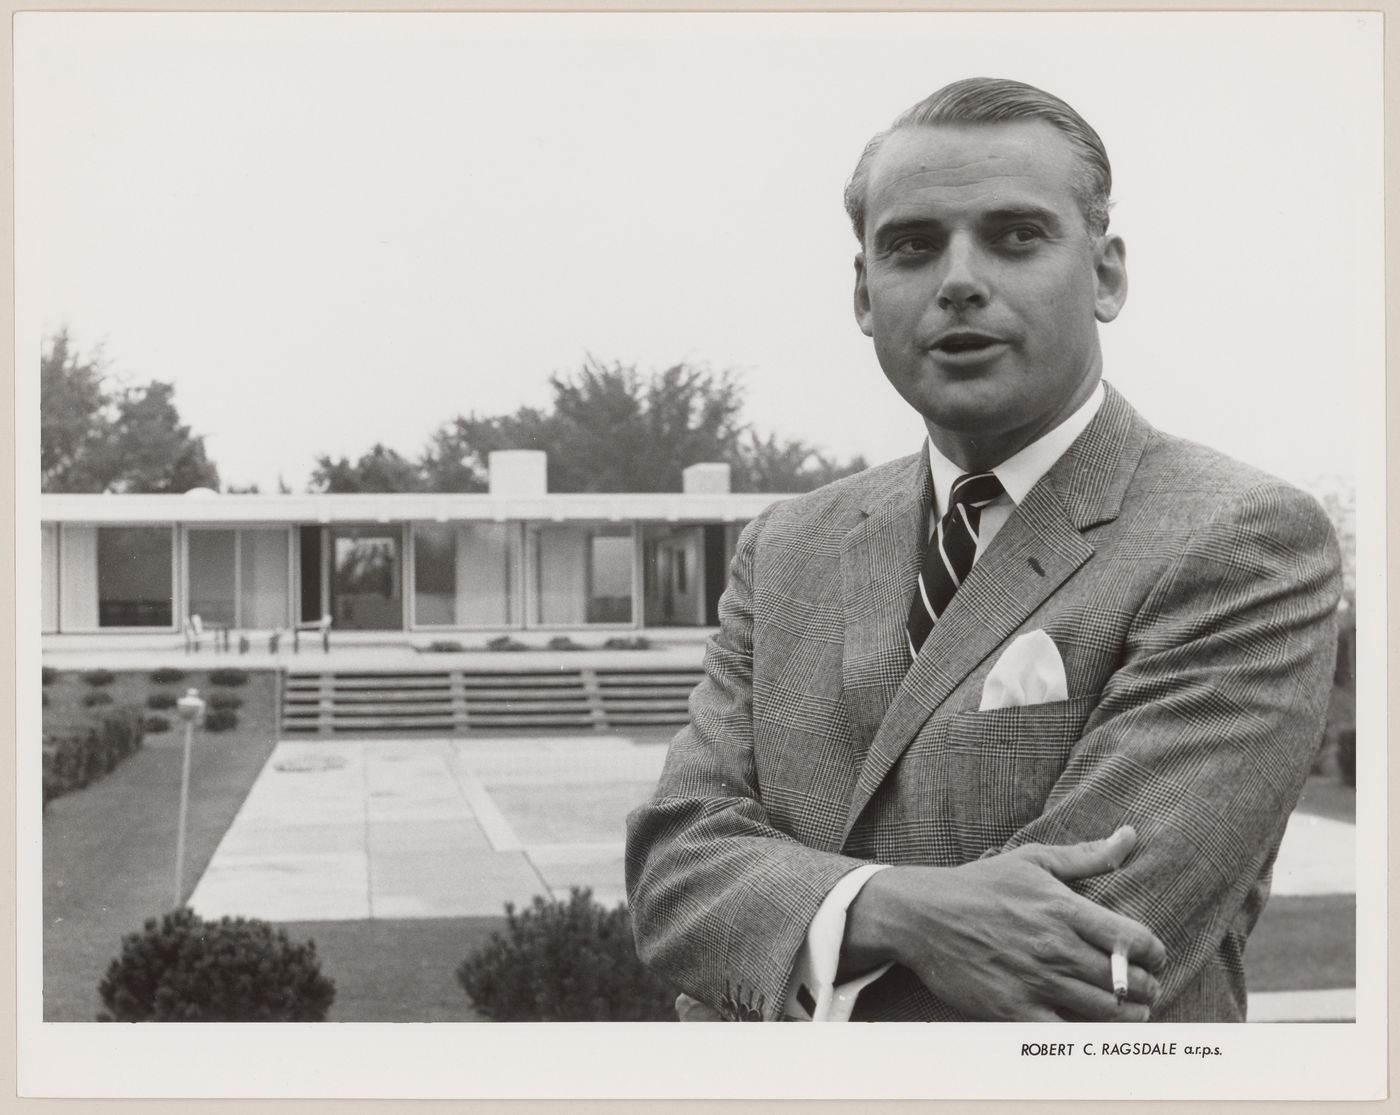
pixel 609 429
pixel 127 440
pixel 380 470
pixel 147 449
pixel 768 465
pixel 72 402
pixel 615 431
pixel 457 456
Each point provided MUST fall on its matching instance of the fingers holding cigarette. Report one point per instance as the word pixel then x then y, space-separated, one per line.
pixel 1118 969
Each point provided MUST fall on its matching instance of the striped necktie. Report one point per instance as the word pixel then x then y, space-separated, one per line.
pixel 948 558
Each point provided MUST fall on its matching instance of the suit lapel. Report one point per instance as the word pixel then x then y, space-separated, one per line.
pixel 879 565
pixel 1033 554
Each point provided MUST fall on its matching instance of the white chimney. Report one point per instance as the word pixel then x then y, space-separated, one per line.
pixel 709 478
pixel 517 472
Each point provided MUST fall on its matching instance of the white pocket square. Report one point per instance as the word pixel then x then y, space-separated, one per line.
pixel 1029 672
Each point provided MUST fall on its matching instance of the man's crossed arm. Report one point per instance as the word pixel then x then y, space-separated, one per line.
pixel 1201 740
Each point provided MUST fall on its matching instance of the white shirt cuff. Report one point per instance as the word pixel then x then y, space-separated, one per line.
pixel 815 996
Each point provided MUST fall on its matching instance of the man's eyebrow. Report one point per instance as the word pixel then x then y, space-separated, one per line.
pixel 897 226
pixel 1037 213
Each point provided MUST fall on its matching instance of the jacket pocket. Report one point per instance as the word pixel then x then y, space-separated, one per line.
pixel 1003 763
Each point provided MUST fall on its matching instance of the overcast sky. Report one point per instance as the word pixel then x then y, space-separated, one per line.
pixel 331 230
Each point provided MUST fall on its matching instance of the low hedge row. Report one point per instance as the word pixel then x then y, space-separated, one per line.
pixel 75 757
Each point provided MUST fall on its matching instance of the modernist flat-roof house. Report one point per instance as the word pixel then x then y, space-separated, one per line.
pixel 517 557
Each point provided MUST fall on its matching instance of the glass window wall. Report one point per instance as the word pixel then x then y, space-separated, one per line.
pixel 264 589
pixel 135 577
pixel 213 575
pixel 366 586
pixel 239 577
pixel 465 574
pixel 673 574
pixel 583 575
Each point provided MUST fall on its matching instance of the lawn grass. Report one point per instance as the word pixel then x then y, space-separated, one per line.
pixel 109 855
pixel 1303 943
pixel 109 849
pixel 396 970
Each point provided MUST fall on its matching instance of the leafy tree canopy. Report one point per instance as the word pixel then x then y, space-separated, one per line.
pixel 380 470
pixel 99 439
pixel 608 428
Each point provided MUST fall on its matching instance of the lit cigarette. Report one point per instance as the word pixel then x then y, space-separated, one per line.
pixel 1118 965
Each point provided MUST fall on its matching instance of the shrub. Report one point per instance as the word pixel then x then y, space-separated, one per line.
pixel 95 698
pixel 186 969
pixel 121 730
pixel 99 677
pixel 220 720
pixel 625 642
pixel 167 675
pixel 163 699
pixel 444 646
pixel 157 724
pixel 50 675
pixel 505 642
pixel 562 961
pixel 74 759
pixel 218 700
pixel 43 699
pixel 68 763
pixel 228 676
pixel 563 642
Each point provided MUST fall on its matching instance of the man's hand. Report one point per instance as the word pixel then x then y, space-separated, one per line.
pixel 1004 939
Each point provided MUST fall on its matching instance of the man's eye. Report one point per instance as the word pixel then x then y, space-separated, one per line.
pixel 912 245
pixel 1022 234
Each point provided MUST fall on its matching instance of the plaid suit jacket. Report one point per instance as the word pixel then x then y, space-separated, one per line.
pixel 1192 600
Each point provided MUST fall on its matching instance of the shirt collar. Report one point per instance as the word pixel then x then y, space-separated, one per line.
pixel 1020 472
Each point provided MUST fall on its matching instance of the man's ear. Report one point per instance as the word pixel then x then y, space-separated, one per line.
pixel 862 297
pixel 1110 277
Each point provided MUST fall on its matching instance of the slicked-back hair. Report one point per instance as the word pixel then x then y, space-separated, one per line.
pixel 990 100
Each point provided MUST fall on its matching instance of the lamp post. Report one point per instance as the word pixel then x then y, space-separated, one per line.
pixel 191 709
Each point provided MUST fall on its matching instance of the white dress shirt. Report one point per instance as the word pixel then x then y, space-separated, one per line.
pixel 813 992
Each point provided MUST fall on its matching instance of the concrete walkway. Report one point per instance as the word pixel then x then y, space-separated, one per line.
pixel 351 829
pixel 342 830
pixel 1318 856
pixel 355 829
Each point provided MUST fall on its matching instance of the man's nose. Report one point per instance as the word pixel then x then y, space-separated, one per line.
pixel 963 283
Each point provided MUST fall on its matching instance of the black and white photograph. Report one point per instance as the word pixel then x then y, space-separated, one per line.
pixel 650 517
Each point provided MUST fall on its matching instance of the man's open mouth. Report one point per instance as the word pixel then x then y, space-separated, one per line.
pixel 956 343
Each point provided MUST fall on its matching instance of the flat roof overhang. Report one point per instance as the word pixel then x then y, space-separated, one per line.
pixel 404 507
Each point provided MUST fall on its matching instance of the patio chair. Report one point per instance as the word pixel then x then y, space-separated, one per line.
pixel 195 633
pixel 322 625
pixel 245 640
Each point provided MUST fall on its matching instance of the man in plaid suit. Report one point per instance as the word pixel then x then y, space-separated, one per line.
pixel 1049 687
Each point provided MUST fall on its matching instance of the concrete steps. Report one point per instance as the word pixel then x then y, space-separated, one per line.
pixel 326 702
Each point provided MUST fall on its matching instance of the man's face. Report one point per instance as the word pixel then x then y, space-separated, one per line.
pixel 981 285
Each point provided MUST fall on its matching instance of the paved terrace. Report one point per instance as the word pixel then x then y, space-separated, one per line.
pixel 456 827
